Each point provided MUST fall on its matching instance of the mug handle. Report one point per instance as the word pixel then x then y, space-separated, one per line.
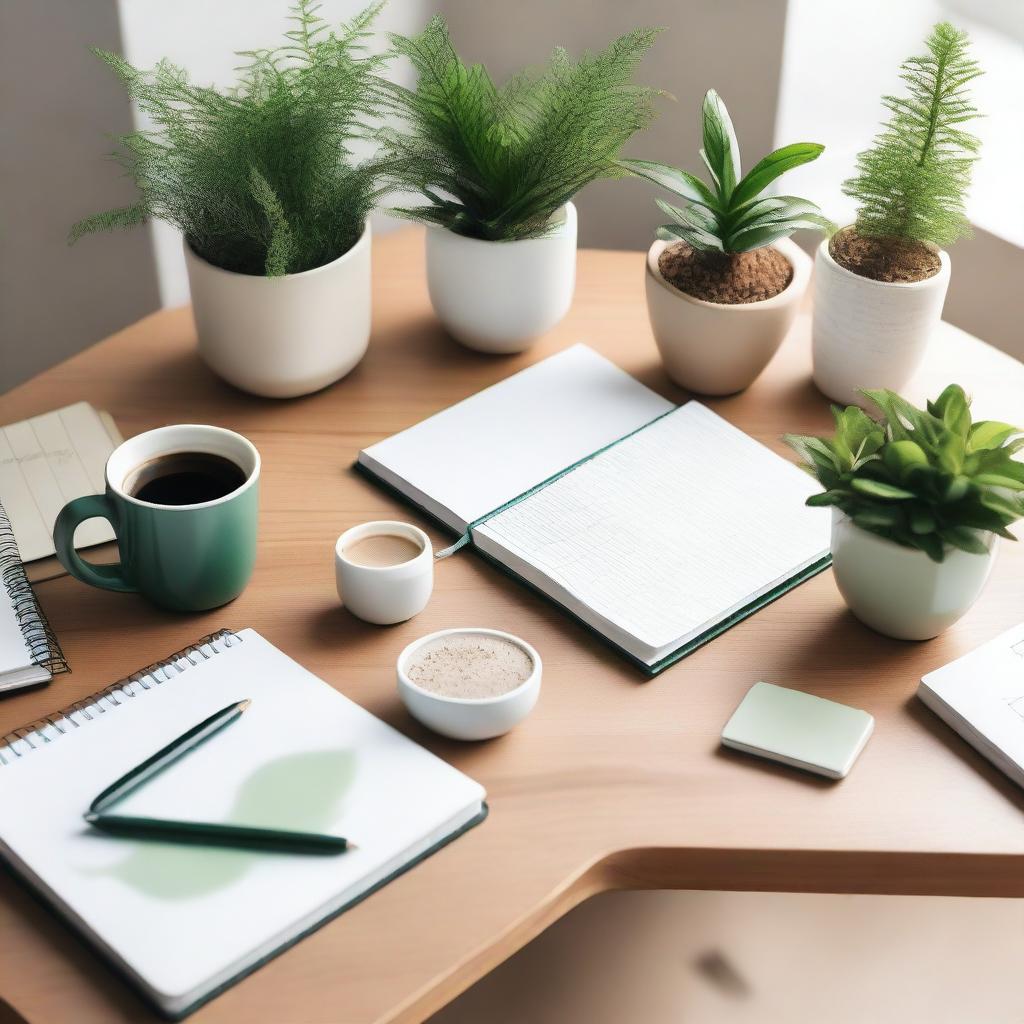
pixel 75 512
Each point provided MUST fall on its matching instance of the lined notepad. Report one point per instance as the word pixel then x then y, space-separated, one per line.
pixel 46 461
pixel 659 542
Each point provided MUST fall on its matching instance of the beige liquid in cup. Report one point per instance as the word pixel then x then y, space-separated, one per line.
pixel 382 549
pixel 469 665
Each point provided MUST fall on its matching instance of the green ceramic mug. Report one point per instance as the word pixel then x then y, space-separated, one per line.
pixel 187 557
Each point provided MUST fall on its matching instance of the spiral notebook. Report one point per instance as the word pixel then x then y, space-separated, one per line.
pixel 29 652
pixel 184 922
pixel 658 526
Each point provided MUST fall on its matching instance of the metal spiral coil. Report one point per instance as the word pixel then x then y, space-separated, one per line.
pixel 37 734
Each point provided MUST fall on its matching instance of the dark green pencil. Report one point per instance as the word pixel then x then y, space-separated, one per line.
pixel 198 832
pixel 208 834
pixel 166 756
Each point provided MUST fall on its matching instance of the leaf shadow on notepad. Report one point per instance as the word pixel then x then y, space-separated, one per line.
pixel 299 791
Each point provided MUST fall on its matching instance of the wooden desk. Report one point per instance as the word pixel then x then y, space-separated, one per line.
pixel 614 782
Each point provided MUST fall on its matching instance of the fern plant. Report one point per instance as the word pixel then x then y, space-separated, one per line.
pixel 259 179
pixel 913 181
pixel 928 479
pixel 495 162
pixel 732 215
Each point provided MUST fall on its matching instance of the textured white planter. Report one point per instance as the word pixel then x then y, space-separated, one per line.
pixel 870 334
pixel 901 592
pixel 500 297
pixel 714 348
pixel 283 336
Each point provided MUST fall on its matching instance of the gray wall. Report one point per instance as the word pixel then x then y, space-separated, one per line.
pixel 59 106
pixel 734 46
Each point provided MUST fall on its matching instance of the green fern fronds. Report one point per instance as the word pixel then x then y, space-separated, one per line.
pixel 914 180
pixel 496 162
pixel 259 178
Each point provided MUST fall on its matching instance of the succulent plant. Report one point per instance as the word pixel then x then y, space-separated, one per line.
pixel 929 479
pixel 731 215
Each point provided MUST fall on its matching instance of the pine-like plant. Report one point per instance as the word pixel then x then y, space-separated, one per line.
pixel 258 179
pixel 496 162
pixel 928 479
pixel 732 215
pixel 913 181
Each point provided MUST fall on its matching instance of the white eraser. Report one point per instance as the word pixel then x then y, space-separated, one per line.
pixel 798 729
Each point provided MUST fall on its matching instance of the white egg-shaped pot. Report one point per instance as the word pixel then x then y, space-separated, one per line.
pixel 716 348
pixel 281 337
pixel 871 334
pixel 500 297
pixel 900 591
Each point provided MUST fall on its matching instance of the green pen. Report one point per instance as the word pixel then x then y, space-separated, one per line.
pixel 209 834
pixel 196 832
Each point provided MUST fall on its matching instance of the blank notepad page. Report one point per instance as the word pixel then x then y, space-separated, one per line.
pixel 670 530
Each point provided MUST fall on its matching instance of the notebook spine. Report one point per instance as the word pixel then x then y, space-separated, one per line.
pixel 44 648
pixel 35 735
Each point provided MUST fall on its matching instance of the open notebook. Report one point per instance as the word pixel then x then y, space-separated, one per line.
pixel 679 527
pixel 182 922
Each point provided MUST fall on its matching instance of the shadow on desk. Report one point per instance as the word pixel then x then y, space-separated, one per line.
pixel 8 1016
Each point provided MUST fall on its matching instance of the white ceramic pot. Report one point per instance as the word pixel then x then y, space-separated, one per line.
pixel 715 348
pixel 384 594
pixel 899 591
pixel 500 297
pixel 462 718
pixel 870 334
pixel 283 336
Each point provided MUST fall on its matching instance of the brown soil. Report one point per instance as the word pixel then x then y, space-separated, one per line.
pixel 742 277
pixel 884 259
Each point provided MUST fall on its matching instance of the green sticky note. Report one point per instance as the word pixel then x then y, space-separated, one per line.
pixel 798 729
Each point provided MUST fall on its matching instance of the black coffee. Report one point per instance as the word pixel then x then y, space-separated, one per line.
pixel 184 478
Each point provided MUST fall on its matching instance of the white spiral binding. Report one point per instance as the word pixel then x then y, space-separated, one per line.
pixel 22 741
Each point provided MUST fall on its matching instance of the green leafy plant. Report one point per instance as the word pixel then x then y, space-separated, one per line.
pixel 259 179
pixel 732 215
pixel 924 478
pixel 496 162
pixel 913 181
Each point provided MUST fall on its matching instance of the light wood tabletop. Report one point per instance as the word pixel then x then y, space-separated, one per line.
pixel 615 781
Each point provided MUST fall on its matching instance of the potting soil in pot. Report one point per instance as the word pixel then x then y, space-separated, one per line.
pixel 731 280
pixel 884 259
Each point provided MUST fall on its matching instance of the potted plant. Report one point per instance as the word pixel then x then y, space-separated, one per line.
pixel 919 499
pixel 880 283
pixel 723 280
pixel 272 211
pixel 498 167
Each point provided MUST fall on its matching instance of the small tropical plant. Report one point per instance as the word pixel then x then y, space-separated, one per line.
pixel 925 478
pixel 495 162
pixel 913 181
pixel 258 179
pixel 731 215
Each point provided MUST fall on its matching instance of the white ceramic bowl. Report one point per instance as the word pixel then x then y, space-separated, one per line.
pixel 459 717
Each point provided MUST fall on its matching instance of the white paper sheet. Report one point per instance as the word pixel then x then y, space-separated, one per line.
pixel 470 459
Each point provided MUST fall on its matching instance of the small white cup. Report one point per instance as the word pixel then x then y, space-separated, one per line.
pixel 462 718
pixel 385 594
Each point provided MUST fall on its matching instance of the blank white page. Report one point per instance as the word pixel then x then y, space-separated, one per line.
pixel 473 457
pixel 666 533
pixel 182 919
